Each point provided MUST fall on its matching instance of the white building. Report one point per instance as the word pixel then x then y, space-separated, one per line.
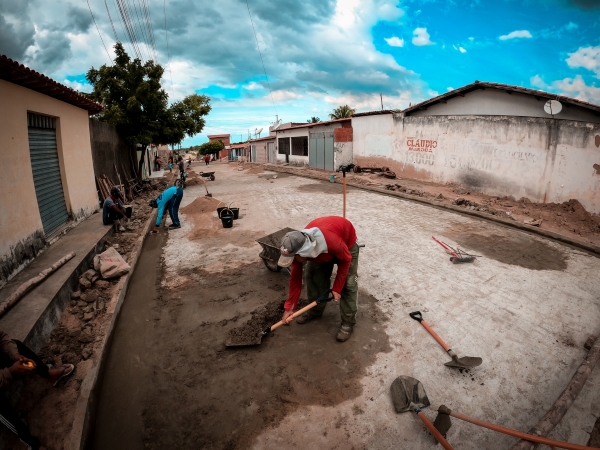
pixel 492 138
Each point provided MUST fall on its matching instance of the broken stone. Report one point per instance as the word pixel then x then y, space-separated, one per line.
pixel 84 283
pixel 88 309
pixel 100 305
pixel 91 297
pixel 409 191
pixel 69 358
pixel 86 353
pixel 88 316
pixel 81 304
pixel 75 295
pixel 73 302
pixel 459 201
pixel 115 246
pixel 440 196
pixel 83 297
pixel 101 284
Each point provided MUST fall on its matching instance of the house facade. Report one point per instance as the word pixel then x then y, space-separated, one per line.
pixel 225 139
pixel 48 174
pixel 492 138
pixel 262 150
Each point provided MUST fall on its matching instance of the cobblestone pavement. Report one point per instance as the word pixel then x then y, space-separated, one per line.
pixel 526 307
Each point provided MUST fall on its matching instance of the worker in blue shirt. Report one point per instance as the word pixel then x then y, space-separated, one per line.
pixel 169 200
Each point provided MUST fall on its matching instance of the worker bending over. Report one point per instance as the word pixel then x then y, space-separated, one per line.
pixel 169 200
pixel 324 242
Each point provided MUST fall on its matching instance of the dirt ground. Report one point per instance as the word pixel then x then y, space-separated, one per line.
pixel 568 218
pixel 77 340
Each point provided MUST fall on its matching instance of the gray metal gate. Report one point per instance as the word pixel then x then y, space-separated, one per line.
pixel 46 171
pixel 320 151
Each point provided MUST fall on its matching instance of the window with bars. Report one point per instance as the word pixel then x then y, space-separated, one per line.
pixel 284 146
pixel 300 146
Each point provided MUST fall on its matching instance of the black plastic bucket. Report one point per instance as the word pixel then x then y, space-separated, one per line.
pixel 235 210
pixel 221 208
pixel 226 216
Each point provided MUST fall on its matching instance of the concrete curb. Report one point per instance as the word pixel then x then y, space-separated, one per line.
pixel 509 223
pixel 87 403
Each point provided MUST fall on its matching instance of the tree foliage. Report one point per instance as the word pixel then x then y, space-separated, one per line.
pixel 136 103
pixel 342 112
pixel 313 119
pixel 210 147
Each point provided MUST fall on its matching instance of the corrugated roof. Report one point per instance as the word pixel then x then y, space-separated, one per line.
pixel 374 113
pixel 16 73
pixel 503 87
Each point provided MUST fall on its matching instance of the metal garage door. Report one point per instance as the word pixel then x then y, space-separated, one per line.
pixel 320 150
pixel 46 171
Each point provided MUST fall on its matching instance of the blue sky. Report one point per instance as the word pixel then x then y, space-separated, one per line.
pixel 318 54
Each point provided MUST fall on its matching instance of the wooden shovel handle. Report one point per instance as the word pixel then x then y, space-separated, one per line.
pixel 296 314
pixel 434 431
pixel 434 334
pixel 519 434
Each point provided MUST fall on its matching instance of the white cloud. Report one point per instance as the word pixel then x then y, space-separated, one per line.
pixel 449 88
pixel 516 34
pixel 586 57
pixel 462 50
pixel 395 41
pixel 577 88
pixel 421 37
pixel 537 82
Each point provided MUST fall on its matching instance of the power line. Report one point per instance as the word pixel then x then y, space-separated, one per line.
pixel 261 58
pixel 124 9
pixel 146 10
pixel 123 28
pixel 98 29
pixel 144 31
pixel 137 26
pixel 111 22
pixel 167 39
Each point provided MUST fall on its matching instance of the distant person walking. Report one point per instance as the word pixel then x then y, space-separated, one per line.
pixel 170 164
pixel 207 159
pixel 169 200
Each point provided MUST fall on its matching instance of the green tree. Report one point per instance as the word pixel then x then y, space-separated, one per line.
pixel 136 103
pixel 342 112
pixel 313 119
pixel 210 147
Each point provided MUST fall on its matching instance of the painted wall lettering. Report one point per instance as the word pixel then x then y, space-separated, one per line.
pixel 420 145
pixel 419 157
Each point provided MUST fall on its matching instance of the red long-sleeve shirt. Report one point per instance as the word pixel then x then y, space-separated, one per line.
pixel 340 237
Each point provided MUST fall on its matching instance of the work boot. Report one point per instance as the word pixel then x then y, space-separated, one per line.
pixel 344 332
pixel 305 318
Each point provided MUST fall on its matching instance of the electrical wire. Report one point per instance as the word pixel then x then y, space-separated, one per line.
pixel 143 30
pixel 98 29
pixel 123 28
pixel 167 39
pixel 127 26
pixel 131 29
pixel 138 27
pixel 111 22
pixel 261 58
pixel 151 28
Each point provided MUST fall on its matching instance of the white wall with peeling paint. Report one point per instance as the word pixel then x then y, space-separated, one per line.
pixel 542 159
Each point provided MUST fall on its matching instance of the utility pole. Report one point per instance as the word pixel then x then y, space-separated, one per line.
pixel 381 98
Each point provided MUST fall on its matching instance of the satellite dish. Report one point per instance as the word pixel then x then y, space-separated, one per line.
pixel 257 132
pixel 552 107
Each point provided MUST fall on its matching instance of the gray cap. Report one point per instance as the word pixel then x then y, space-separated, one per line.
pixel 291 243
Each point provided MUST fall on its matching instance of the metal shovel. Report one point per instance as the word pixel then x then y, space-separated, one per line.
pixel 466 362
pixel 408 394
pixel 232 342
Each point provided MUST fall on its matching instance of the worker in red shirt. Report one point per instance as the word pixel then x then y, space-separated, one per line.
pixel 324 242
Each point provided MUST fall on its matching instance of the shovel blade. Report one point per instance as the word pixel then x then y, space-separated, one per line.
pixel 408 392
pixel 466 362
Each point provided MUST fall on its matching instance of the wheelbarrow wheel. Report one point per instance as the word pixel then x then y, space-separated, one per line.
pixel 212 178
pixel 271 265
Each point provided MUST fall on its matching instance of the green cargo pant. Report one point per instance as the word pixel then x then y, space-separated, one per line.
pixel 317 277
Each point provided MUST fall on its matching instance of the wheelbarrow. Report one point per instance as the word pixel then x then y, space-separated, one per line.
pixel 208 175
pixel 270 249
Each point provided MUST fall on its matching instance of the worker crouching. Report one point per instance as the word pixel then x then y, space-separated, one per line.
pixel 324 242
pixel 169 200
